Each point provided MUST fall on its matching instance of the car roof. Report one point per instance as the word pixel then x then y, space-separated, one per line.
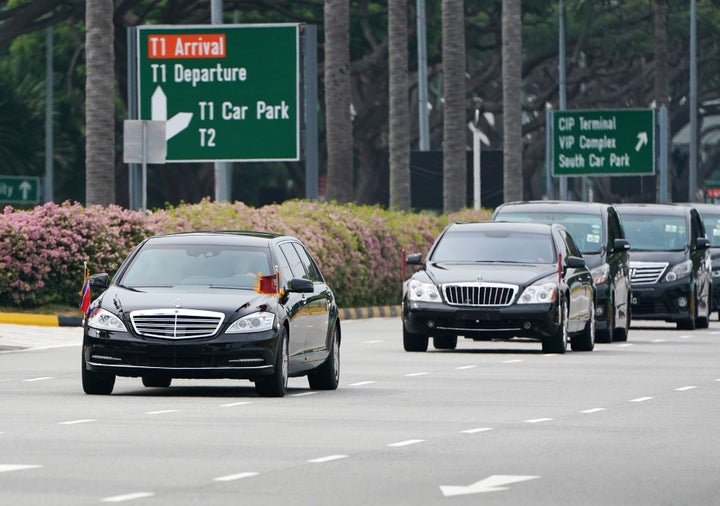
pixel 482 226
pixel 556 206
pixel 244 237
pixel 655 209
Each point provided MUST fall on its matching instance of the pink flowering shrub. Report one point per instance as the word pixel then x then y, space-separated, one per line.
pixel 358 248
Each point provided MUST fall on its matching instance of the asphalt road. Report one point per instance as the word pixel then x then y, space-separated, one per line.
pixel 634 423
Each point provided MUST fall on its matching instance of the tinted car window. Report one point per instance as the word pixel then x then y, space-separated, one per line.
pixel 712 228
pixel 296 265
pixel 494 247
pixel 313 272
pixel 586 229
pixel 655 232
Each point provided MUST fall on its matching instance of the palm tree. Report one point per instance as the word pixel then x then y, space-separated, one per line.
pixel 99 103
pixel 338 123
pixel 512 105
pixel 399 137
pixel 662 85
pixel 454 126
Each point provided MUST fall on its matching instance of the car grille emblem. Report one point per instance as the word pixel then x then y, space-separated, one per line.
pixel 177 302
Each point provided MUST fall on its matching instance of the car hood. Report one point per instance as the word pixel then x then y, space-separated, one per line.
pixel 492 272
pixel 672 257
pixel 118 299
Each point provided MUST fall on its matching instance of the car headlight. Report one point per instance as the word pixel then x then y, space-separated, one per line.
pixel 255 322
pixel 426 292
pixel 679 271
pixel 600 273
pixel 539 293
pixel 102 319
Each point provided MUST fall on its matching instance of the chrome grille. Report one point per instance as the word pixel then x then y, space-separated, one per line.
pixel 176 323
pixel 479 294
pixel 646 273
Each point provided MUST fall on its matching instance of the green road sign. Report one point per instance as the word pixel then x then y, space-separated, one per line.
pixel 19 190
pixel 226 92
pixel 604 143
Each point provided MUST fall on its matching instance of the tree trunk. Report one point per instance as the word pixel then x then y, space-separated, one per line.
pixel 454 126
pixel 399 137
pixel 99 103
pixel 662 85
pixel 338 123
pixel 512 105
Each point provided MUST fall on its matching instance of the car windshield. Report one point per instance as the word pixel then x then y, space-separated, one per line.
pixel 494 246
pixel 712 228
pixel 197 264
pixel 585 229
pixel 649 232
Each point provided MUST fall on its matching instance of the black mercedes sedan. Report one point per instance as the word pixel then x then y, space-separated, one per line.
pixel 500 280
pixel 243 305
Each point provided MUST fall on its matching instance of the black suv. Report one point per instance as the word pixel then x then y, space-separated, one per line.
pixel 598 232
pixel 669 263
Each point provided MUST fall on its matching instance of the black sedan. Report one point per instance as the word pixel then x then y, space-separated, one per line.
pixel 498 280
pixel 243 305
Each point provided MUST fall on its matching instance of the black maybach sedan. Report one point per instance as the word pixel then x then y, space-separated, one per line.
pixel 242 305
pixel 500 280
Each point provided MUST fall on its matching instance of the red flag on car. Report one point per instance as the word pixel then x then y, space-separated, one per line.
pixel 267 284
pixel 85 292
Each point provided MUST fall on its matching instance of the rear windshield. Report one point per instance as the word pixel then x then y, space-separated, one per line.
pixel 712 228
pixel 494 247
pixel 655 233
pixel 585 229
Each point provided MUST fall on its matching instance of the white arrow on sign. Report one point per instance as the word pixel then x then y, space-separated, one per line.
pixel 174 125
pixel 493 483
pixel 642 140
pixel 25 188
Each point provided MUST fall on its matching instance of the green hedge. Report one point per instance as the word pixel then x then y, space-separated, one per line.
pixel 359 248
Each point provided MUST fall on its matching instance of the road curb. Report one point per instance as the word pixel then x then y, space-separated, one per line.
pixel 370 312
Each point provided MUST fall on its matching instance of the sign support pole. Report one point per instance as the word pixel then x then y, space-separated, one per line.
pixel 223 170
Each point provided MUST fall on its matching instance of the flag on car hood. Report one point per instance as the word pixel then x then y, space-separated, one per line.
pixel 85 292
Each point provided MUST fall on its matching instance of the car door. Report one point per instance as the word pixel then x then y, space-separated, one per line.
pixel 291 267
pixel 579 283
pixel 702 264
pixel 618 263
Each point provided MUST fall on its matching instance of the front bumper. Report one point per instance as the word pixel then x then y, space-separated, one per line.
pixel 659 301
pixel 518 320
pixel 237 356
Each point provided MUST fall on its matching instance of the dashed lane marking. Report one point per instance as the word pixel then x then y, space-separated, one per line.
pixel 303 394
pixel 75 422
pixel 641 399
pixel 233 404
pixel 329 458
pixel 685 389
pixel 475 431
pixel 162 412
pixel 361 383
pixel 406 443
pixel 413 374
pixel 238 476
pixel 44 378
pixel 539 420
pixel 128 497
pixel 593 410
pixel 6 468
pixel 465 367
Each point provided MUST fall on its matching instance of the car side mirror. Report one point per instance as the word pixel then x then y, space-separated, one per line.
pixel 414 259
pixel 702 243
pixel 100 280
pixel 300 285
pixel 576 262
pixel 621 245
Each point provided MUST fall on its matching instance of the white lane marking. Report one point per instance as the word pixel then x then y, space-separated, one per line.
pixel 475 431
pixel 714 333
pixel 550 354
pixel 407 443
pixel 127 497
pixel 539 420
pixel 329 458
pixel 162 412
pixel 412 374
pixel 685 337
pixel 625 345
pixel 512 361
pixel 658 341
pixel 233 404
pixel 38 379
pixel 492 483
pixel 641 399
pixel 373 341
pixel 464 367
pixel 303 394
pixel 685 389
pixel 593 410
pixel 5 468
pixel 238 476
pixel 362 383
pixel 717 379
pixel 73 422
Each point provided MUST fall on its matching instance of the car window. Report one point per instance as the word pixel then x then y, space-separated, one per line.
pixel 170 265
pixel 712 228
pixel 650 232
pixel 296 265
pixel 586 229
pixel 570 245
pixel 309 263
pixel 494 246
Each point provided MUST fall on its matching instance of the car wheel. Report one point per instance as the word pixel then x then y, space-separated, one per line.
pixel 96 383
pixel 327 375
pixel 156 381
pixel 557 343
pixel 276 384
pixel 445 342
pixel 414 342
pixel 585 340
pixel 690 323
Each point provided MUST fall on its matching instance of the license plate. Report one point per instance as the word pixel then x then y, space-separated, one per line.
pixel 478 315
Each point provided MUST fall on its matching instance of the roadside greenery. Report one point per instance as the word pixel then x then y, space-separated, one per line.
pixel 359 248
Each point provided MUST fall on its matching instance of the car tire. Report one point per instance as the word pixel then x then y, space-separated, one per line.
pixel 585 340
pixel 96 383
pixel 414 342
pixel 445 342
pixel 690 323
pixel 327 375
pixel 557 343
pixel 156 381
pixel 276 384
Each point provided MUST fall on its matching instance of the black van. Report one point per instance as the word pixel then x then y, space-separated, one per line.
pixel 598 232
pixel 670 267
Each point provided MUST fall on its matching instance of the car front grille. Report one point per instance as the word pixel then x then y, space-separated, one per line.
pixel 646 273
pixel 176 323
pixel 479 294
